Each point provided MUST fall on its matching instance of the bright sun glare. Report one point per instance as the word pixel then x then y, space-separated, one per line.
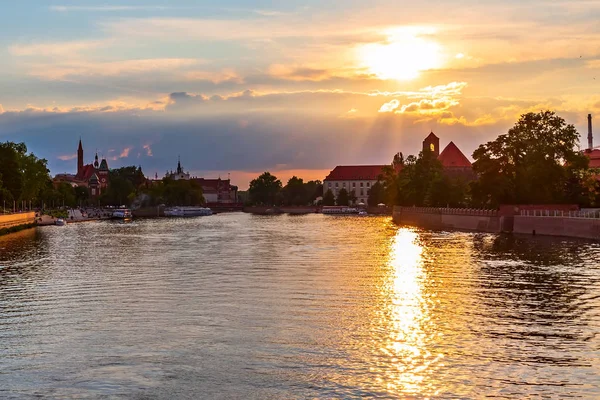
pixel 403 57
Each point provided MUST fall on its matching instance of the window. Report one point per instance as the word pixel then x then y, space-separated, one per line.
pixel 337 184
pixel 432 147
pixel 328 184
pixel 362 193
pixel 344 184
pixel 368 184
pixel 93 192
pixel 353 184
pixel 361 184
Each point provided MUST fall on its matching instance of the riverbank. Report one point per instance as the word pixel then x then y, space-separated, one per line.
pixel 11 223
pixel 509 219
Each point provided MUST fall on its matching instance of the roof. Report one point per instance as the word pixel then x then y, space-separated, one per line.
pixel 431 136
pixel 86 172
pixel 94 179
pixel 214 184
pixel 451 156
pixel 103 165
pixel 594 157
pixel 355 173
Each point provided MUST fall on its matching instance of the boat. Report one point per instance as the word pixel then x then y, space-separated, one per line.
pixel 187 212
pixel 339 210
pixel 60 222
pixel 122 213
pixel 363 212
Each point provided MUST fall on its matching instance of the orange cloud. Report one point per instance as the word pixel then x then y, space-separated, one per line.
pixel 148 150
pixel 125 152
pixel 67 157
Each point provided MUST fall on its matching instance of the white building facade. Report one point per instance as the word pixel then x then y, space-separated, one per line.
pixel 357 178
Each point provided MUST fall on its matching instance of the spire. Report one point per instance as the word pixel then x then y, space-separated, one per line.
pixel 590 135
pixel 96 160
pixel 80 158
pixel 179 169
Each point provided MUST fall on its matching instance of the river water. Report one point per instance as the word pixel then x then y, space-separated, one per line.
pixel 236 306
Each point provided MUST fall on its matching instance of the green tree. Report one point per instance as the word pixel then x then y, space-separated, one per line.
pixel 295 192
pixel 343 198
pixel 265 189
pixel 376 194
pixel 313 190
pixel 352 197
pixel 328 198
pixel 534 163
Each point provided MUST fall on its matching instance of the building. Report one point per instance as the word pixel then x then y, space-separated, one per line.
pixel 215 191
pixel 360 178
pixel 592 153
pixel 357 178
pixel 178 174
pixel 455 163
pixel 93 176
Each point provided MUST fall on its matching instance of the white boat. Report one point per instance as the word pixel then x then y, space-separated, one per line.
pixel 122 213
pixel 187 212
pixel 339 210
pixel 60 222
pixel 363 212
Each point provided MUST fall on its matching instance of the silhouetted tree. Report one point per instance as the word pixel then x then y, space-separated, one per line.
pixel 264 189
pixel 342 198
pixel 328 198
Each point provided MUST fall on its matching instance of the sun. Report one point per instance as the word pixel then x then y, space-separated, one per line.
pixel 403 57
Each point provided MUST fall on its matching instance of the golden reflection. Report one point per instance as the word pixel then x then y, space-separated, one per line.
pixel 407 319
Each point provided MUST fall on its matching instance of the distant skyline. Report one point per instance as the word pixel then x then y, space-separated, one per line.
pixel 294 87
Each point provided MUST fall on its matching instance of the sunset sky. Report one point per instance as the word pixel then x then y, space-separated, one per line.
pixel 294 87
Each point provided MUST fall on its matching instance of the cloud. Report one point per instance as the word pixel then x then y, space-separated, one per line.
pixel 390 106
pixel 65 69
pixel 125 152
pixel 148 150
pixel 67 157
pixel 57 49
pixel 107 8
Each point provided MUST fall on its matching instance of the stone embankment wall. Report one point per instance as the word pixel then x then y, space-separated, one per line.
pixel 10 220
pixel 451 218
pixel 588 228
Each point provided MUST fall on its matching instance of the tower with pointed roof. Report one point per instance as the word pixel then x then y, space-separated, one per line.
pixel 79 158
pixel 432 143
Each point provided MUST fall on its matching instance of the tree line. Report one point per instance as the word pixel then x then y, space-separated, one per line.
pixel 267 189
pixel 535 162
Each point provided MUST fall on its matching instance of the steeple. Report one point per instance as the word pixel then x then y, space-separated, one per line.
pixel 96 161
pixel 590 135
pixel 179 169
pixel 80 158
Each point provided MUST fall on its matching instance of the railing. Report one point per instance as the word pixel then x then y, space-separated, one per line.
pixel 450 211
pixel 592 214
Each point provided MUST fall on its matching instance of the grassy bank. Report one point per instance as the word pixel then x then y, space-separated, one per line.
pixel 18 228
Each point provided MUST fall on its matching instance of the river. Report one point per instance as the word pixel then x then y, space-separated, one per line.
pixel 237 306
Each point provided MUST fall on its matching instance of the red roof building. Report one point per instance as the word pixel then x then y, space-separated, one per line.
pixel 452 157
pixel 594 156
pixel 355 173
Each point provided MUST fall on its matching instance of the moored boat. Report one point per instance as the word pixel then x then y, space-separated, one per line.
pixel 187 212
pixel 339 210
pixel 122 213
pixel 60 222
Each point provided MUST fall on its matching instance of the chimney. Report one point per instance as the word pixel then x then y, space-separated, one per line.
pixel 590 136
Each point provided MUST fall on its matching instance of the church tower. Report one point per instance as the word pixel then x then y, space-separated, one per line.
pixel 80 158
pixel 96 164
pixel 432 143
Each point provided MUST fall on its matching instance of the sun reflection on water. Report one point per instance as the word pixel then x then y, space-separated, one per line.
pixel 406 319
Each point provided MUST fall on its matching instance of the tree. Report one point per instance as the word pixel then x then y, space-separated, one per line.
pixel 313 189
pixel 352 197
pixel 295 193
pixel 376 194
pixel 534 163
pixel 343 198
pixel 328 198
pixel 264 189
